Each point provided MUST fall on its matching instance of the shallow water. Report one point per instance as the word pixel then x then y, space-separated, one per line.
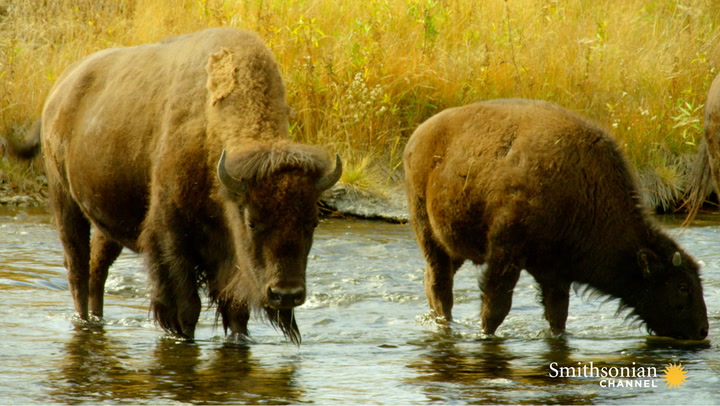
pixel 367 338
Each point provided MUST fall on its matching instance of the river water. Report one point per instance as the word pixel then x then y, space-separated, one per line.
pixel 367 336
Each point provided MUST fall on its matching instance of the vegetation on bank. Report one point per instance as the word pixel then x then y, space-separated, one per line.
pixel 362 74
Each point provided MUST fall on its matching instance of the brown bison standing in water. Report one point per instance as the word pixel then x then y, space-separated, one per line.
pixel 519 184
pixel 705 174
pixel 180 151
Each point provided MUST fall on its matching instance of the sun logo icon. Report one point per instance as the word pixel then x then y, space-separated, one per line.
pixel 675 375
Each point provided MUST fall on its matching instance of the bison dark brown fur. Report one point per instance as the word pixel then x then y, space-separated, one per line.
pixel 180 150
pixel 517 184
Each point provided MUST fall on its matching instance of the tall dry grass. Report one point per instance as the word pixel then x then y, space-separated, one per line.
pixel 362 74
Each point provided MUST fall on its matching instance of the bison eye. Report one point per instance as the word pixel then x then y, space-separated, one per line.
pixel 252 225
pixel 684 289
pixel 257 226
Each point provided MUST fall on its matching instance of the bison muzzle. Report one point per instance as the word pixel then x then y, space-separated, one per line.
pixel 518 184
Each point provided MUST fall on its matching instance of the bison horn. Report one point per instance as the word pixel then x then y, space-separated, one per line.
pixel 677 259
pixel 237 186
pixel 331 178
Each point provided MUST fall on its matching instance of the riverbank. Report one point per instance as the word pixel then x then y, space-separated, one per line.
pixel 22 185
pixel 346 201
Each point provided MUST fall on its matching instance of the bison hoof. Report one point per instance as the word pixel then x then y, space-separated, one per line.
pixel 239 340
pixel 285 298
pixel 91 321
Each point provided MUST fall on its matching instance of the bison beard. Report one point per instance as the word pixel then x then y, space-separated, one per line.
pixel 281 319
pixel 285 320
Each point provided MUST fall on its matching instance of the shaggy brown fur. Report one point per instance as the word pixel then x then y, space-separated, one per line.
pixel 26 147
pixel 705 173
pixel 132 138
pixel 518 184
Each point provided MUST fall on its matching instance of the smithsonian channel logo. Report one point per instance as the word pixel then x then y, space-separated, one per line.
pixel 673 376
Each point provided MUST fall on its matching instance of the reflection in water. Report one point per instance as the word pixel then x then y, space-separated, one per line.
pixel 97 369
pixel 91 369
pixel 487 372
pixel 232 375
pixel 175 371
pixel 512 371
pixel 244 379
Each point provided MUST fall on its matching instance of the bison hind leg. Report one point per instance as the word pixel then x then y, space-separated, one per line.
pixel 103 252
pixel 440 266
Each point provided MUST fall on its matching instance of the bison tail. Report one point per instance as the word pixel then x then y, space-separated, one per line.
pixel 700 182
pixel 24 148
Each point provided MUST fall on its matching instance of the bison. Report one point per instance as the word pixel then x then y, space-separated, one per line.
pixel 705 172
pixel 180 151
pixel 23 148
pixel 521 184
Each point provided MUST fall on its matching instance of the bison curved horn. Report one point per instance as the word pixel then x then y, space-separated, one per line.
pixel 677 259
pixel 237 186
pixel 331 178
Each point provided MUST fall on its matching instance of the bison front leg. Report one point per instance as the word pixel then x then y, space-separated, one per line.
pixel 556 299
pixel 235 318
pixel 103 252
pixel 175 303
pixel 174 298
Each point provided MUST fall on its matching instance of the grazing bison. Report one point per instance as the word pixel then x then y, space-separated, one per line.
pixel 180 151
pixel 705 174
pixel 26 147
pixel 518 184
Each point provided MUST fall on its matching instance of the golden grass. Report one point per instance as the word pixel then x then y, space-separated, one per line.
pixel 362 74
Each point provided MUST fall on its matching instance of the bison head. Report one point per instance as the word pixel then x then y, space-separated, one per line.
pixel 669 297
pixel 271 193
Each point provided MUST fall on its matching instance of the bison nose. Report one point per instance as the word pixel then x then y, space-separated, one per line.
pixel 703 332
pixel 286 298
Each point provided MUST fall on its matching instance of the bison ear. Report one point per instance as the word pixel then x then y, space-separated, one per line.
pixel 222 75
